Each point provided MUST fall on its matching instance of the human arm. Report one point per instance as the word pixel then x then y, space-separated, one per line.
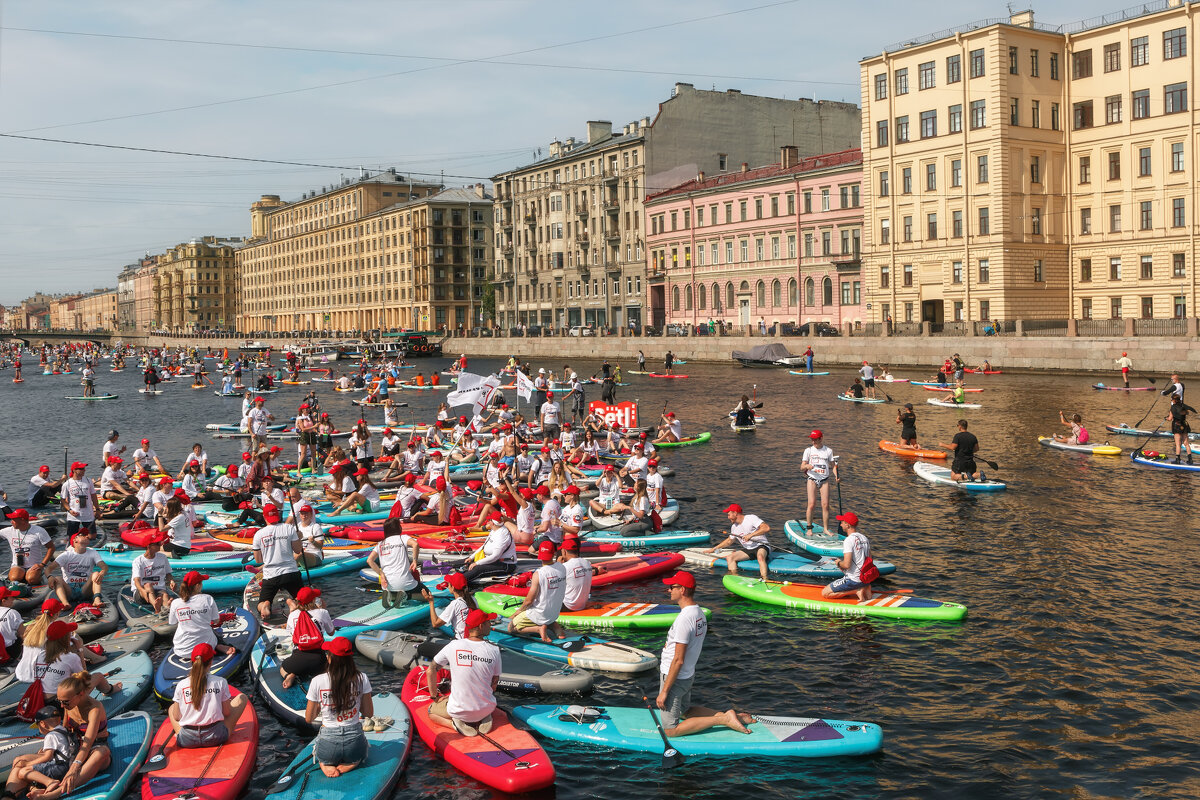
pixel 672 674
pixel 728 540
pixel 534 585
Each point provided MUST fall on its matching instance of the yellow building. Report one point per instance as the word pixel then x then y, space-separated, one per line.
pixel 195 286
pixel 96 311
pixel 1021 170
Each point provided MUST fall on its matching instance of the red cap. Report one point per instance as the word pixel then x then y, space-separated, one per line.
pixel 182 497
pixel 733 508
pixel 570 542
pixel 358 473
pixel 670 414
pixel 339 646
pixel 440 483
pixel 681 578
pixel 114 460
pixel 477 617
pixel 545 449
pixel 849 517
pixel 194 578
pixel 276 448
pixel 304 507
pixel 6 593
pixel 304 405
pixel 52 605
pixel 60 630
pixel 271 513
pixel 815 434
pixel 203 651
pixel 566 425
pixel 388 431
pixel 78 465
pixel 20 513
pixel 546 550
pixel 260 399
pixel 641 435
pixel 145 441
pixel 609 468
pixel 409 478
pixel 165 481
pixel 652 462
pixel 462 420
pixel 502 466
pixel 246 456
pixel 526 492
pixel 156 537
pixel 307 594
pixel 231 471
pixel 558 441
pixel 324 415
pixel 455 580
pixel 543 491
pixel 571 490
pixel 43 468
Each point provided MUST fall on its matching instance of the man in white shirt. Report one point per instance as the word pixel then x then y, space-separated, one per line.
pixel 539 611
pixel 475 668
pixel 670 430
pixel 42 489
pixel 677 667
pixel 79 500
pixel 748 536
pixel 579 576
pixel 276 546
pixel 144 458
pixel 31 548
pixel 114 485
pixel 550 414
pixel 111 448
pixel 855 563
pixel 635 465
pixel 259 419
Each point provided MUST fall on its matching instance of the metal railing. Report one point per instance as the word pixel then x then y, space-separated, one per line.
pixel 1044 327
pixel 1159 327
pixel 906 329
pixel 953 329
pixel 1100 327
pixel 869 329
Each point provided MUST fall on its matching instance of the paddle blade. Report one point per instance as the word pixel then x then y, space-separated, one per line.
pixel 672 758
pixel 156 762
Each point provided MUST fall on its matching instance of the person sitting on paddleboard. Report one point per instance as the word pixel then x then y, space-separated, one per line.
pixel 538 612
pixel 670 429
pixel 42 489
pixel 579 575
pixel 204 712
pixel 306 659
pixel 965 446
pixel 855 563
pixel 748 535
pixel 743 414
pixel 855 390
pixel 49 765
pixel 1079 434
pixel 474 665
pixel 32 549
pixel 394 561
pixel 819 464
pixel 958 395
pixel 907 420
pixel 151 574
pixel 83 572
pixel 455 612
pixel 1180 429
pixel 986 366
pixel 497 556
pixel 677 667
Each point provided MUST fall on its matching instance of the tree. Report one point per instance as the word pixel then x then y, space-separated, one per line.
pixel 488 302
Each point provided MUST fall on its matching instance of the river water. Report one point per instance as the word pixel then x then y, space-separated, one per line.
pixel 1072 676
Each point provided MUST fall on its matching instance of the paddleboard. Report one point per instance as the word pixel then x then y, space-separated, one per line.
pixel 985 371
pixel 862 399
pixel 806 374
pixel 909 452
pixel 586 652
pixel 635 729
pixel 815 539
pixel 660 375
pixel 335 562
pixel 218 560
pixel 288 704
pixel 150 391
pixel 125 640
pixel 1095 449
pixel 90 624
pixel 239 633
pixel 94 397
pixel 132 670
pixel 639 616
pixel 139 615
pixel 700 438
pixel 1123 388
pixel 1162 462
pixel 374 617
pixel 202 773
pixel 779 563
pixel 650 540
pixel 128 742
pixel 807 596
pixel 1128 431
pixel 947 404
pixel 941 389
pixel 741 428
pixel 938 474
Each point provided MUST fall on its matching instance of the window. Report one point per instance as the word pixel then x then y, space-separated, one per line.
pixel 1147 264
pixel 1112 109
pixel 1147 308
pixel 1012 61
pixel 1086 308
pixel 931 226
pixel 1054 66
pixel 1035 169
pixel 885 231
pixel 956 118
pixel 1085 169
pixel 809 294
pixel 884 277
pixel 956 272
pixel 901 129
pixel 928 124
pixel 930 177
pixel 845 242
pixel 775 247
pixel 824 199
pixel 1014 111
pixel 985 226
pixel 844 192
pixel 908 312
pixel 985 309
pixel 854 199
pixel 978 113
pixel 1083 114
pixel 1176 156
pixel 845 293
pixel 807 203
pixel 1035 221
pixel 1085 221
pixel 1114 269
pixel 1180 306
pixel 744 251
pixel 1175 98
pixel 826 243
pixel 1178 270
pixel 1146 215
pixel 953 69
pixel 827 292
pixel 808 245
pixel 984 270
pixel 1054 123
pixel 1085 270
pixel 908 274
pixel 906 180
pixel 981 169
pixel 883 183
pixel 774 209
pixel 1143 161
pixel 1037 271
pixel 1112 57
pixel 956 224
pixel 1081 65
pixel 881 86
pixel 776 294
pixel 901 82
pixel 1033 63
pixel 925 75
pixel 1115 305
pixel 758 209
pixel 793 296
pixel 1177 212
pixel 1035 114
pixel 1114 219
pixel 956 172
pixel 908 229
pixel 977 68
pixel 791 245
pixel 722 162
pixel 1114 166
pixel 1139 51
pixel 729 252
pixel 1174 43
pixel 1141 104
pixel 742 210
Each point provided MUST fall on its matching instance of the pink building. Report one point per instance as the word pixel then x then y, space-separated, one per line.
pixel 778 243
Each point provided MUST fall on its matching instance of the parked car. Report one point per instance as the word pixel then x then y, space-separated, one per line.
pixel 820 329
pixel 675 329
pixel 581 330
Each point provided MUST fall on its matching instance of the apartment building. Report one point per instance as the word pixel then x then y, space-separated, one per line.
pixel 1017 169
pixel 570 244
pixel 195 286
pixel 778 243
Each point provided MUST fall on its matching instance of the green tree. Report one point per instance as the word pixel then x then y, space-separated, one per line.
pixel 488 303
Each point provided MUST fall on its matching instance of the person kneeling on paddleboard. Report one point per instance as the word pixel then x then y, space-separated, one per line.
pixel 677 667
pixel 474 666
pixel 965 446
pixel 341 698
pixel 856 564
pixel 541 607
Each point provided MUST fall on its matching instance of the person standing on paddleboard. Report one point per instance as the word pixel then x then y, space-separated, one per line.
pixel 808 359
pixel 669 362
pixel 1175 388
pixel 868 376
pixel 819 465
pixel 907 419
pixel 677 667
pixel 79 500
pixel 748 535
pixel 1180 429
pixel 858 570
pixel 960 368
pixel 1124 363
pixel 641 361
pixel 89 380
pixel 965 446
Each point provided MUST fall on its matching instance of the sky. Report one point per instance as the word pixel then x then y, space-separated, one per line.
pixel 453 90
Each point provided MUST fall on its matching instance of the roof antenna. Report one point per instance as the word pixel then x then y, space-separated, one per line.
pixel 1010 11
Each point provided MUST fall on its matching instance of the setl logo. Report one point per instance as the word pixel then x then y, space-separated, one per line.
pixel 623 414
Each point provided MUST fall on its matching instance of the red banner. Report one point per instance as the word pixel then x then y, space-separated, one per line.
pixel 623 414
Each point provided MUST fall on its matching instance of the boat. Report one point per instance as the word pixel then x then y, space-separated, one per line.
pixel 771 355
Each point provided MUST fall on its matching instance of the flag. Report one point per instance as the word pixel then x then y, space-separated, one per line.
pixel 489 387
pixel 524 386
pixel 475 388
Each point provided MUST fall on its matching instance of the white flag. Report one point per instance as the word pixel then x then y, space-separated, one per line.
pixel 489 388
pixel 524 386
pixel 476 387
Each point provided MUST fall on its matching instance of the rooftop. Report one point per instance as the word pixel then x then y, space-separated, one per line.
pixel 842 158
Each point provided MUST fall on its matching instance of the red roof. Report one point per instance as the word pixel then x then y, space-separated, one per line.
pixel 842 158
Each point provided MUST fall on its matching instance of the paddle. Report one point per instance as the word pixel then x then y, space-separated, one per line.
pixel 159 759
pixel 268 645
pixel 303 555
pixel 671 757
pixel 1143 419
pixel 838 483
pixel 284 781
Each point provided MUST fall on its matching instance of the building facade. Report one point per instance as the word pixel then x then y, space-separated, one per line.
pixel 570 244
pixel 96 311
pixel 195 286
pixel 1016 169
pixel 779 243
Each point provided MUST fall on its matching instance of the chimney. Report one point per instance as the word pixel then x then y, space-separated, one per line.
pixel 789 156
pixel 645 123
pixel 555 149
pixel 680 87
pixel 700 176
pixel 745 167
pixel 1023 19
pixel 598 129
pixel 479 191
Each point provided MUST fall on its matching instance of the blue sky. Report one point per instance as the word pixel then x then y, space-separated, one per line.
pixel 466 92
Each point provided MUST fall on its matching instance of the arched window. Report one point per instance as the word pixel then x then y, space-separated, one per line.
pixel 827 292
pixel 729 295
pixel 703 299
pixel 776 299
pixel 809 293
pixel 687 298
pixel 792 296
pixel 716 296
pixel 675 298
pixel 744 287
pixel 762 294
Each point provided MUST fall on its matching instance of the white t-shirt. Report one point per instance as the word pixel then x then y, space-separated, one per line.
pixel 867 372
pixel 858 548
pixel 408 497
pixel 10 625
pixel 499 547
pixel 527 518
pixel 274 542
pixel 689 628
pixel 820 459
pixel 572 516
pixel 676 428
pixel 179 531
pixel 112 476
pixel 412 461
pixel 370 494
pixel 35 484
pixel 109 450
pixel 195 618
pixel 320 618
pixel 454 615
pixel 654 489
pixel 550 412
pixel 473 665
pixel 31 543
pixel 636 467
pixel 609 489
pixel 396 562
pixel 81 500
pixel 552 587
pixel 192 458
pixel 311 537
pixel 212 705
pixel 259 419
pixel 742 531
pixel 551 512
pixel 33 665
pixel 77 568
pixel 228 483
pixel 144 457
pixel 151 572
pixel 318 692
pixel 579 584
pixel 145 496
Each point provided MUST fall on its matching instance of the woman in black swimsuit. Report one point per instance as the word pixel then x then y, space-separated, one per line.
pixel 1180 427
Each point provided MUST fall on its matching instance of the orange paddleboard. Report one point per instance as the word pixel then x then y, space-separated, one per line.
pixel 909 452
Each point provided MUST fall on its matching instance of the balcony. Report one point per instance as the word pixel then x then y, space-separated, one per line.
pixel 610 178
pixel 612 206
pixel 507 250
pixel 532 247
pixel 506 200
pixel 613 236
pixel 506 223
pixel 584 241
pixel 581 212
pixel 530 220
pixel 853 264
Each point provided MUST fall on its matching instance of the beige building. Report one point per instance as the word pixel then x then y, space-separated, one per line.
pixel 96 311
pixel 195 286
pixel 1021 170
pixel 570 243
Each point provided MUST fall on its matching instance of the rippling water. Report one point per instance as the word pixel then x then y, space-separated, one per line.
pixel 1072 676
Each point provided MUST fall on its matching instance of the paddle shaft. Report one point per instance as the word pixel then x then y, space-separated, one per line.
pixel 1143 419
pixel 671 756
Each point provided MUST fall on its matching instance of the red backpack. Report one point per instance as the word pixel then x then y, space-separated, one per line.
pixel 306 635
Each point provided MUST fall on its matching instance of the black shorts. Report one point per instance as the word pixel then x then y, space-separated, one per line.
pixel 869 382
pixel 40 499
pixel 305 663
pixel 964 467
pixel 175 551
pixel 908 433
pixel 1181 428
pixel 290 582
pixel 753 550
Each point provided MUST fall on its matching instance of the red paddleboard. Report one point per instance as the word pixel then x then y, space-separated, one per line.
pixel 618 570
pixel 660 375
pixel 18 380
pixel 203 773
pixel 522 766
pixel 947 388
pixel 466 545
pixel 200 544
pixel 372 531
